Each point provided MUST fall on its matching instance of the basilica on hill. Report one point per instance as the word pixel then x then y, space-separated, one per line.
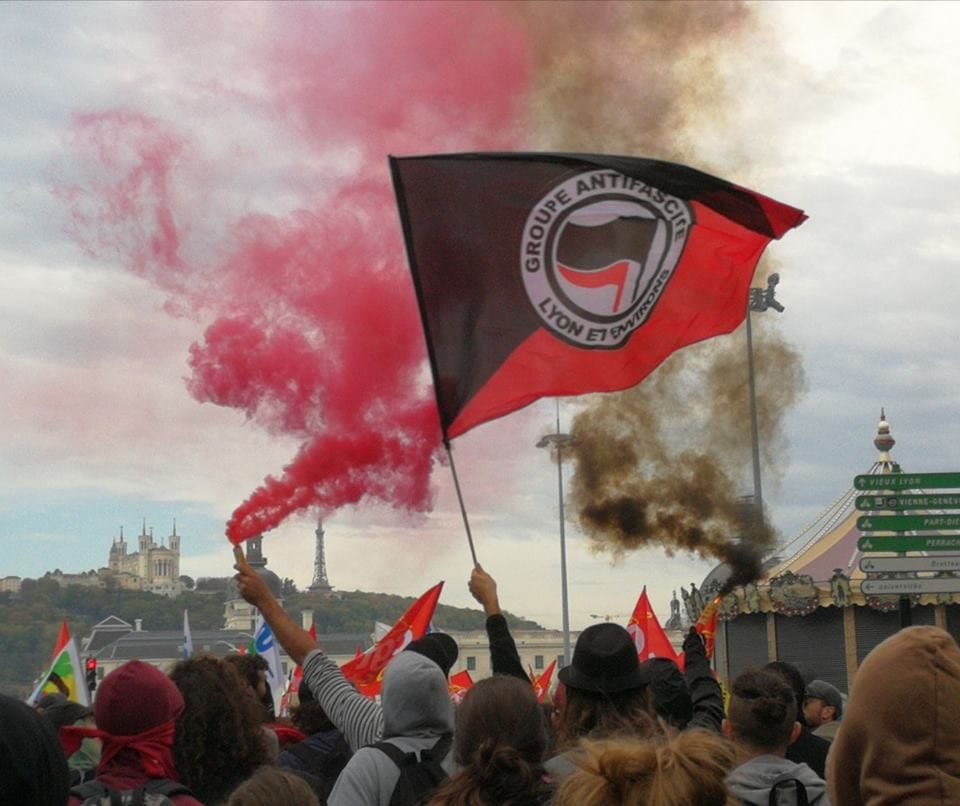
pixel 153 567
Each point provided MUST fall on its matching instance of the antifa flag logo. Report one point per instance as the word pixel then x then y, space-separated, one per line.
pixel 597 253
pixel 565 274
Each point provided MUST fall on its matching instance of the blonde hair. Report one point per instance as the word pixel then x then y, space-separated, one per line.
pixel 689 768
pixel 274 785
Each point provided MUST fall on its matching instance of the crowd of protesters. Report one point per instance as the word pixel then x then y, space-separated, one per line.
pixel 616 731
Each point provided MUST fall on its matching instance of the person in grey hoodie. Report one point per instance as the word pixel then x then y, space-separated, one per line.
pixel 762 721
pixel 417 713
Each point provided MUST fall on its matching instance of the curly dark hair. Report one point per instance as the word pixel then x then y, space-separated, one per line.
pixel 219 740
pixel 249 667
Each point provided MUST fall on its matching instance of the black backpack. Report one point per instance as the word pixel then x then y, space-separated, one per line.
pixel 787 785
pixel 419 777
pixel 154 793
pixel 323 767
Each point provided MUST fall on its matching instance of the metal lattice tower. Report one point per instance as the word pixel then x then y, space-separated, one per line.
pixel 320 583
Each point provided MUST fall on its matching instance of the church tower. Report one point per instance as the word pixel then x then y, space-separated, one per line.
pixel 320 582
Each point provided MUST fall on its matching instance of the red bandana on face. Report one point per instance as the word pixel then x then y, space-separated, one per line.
pixel 154 747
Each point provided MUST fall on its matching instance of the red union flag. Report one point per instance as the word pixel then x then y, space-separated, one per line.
pixel 365 670
pixel 458 685
pixel 563 274
pixel 644 627
pixel 542 684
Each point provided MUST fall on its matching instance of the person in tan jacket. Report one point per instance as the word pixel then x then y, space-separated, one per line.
pixel 899 740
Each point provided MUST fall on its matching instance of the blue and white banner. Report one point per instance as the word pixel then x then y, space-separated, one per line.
pixel 266 645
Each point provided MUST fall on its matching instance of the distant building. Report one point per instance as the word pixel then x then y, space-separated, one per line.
pixel 114 641
pixel 153 567
pixel 10 584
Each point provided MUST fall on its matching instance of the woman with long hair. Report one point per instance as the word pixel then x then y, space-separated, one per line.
pixel 218 741
pixel 499 742
pixel 604 693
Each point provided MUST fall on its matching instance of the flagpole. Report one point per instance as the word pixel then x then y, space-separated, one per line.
pixel 463 509
pixel 560 440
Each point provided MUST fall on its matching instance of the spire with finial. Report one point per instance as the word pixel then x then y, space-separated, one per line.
pixel 884 443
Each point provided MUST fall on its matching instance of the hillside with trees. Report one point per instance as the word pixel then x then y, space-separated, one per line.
pixel 30 619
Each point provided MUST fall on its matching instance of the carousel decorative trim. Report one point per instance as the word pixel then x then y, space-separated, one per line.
pixel 794 594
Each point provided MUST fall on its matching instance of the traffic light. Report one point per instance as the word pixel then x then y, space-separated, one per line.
pixel 91 674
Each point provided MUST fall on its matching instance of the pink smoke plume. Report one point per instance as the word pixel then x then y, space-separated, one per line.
pixel 315 329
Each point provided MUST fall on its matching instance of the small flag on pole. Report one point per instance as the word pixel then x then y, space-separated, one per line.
pixel 65 675
pixel 187 637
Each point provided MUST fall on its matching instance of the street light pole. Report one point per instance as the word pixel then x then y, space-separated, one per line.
pixel 560 441
pixel 761 299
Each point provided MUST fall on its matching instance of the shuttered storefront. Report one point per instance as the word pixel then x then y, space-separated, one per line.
pixel 746 642
pixel 873 626
pixel 814 644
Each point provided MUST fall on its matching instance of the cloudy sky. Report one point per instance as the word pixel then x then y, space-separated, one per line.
pixel 184 184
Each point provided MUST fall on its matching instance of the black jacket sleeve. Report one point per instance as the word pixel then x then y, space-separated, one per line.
pixel 705 692
pixel 504 657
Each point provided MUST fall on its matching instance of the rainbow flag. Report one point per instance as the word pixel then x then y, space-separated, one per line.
pixel 65 675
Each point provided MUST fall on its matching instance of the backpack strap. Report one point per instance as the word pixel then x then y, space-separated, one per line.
pixel 790 783
pixel 395 754
pixel 436 752
pixel 440 748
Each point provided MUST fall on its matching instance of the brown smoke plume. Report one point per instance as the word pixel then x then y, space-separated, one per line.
pixel 664 464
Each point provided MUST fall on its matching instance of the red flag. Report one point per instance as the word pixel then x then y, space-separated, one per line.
pixel 294 684
pixel 458 685
pixel 366 670
pixel 542 684
pixel 648 635
pixel 707 625
pixel 62 638
pixel 562 274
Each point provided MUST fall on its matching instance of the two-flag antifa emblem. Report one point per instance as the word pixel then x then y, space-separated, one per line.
pixel 563 274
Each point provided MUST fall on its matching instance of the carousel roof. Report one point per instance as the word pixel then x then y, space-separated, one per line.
pixel 820 567
pixel 829 545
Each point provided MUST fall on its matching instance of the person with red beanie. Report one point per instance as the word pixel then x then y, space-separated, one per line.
pixel 135 710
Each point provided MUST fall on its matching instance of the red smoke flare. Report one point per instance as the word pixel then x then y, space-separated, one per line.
pixel 315 329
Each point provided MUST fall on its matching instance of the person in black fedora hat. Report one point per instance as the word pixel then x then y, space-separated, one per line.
pixel 606 692
pixel 604 662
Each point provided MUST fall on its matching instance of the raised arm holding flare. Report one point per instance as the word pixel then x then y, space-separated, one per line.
pixel 296 641
pixel 358 718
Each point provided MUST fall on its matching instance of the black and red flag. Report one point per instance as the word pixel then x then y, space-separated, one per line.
pixel 561 274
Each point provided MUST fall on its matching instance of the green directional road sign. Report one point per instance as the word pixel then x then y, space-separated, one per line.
pixel 899 503
pixel 907 481
pixel 916 543
pixel 906 523
pixel 879 587
pixel 885 565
